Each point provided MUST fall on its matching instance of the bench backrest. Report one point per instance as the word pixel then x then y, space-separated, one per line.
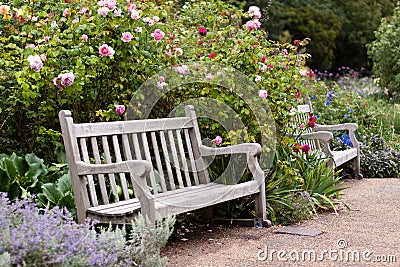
pixel 300 123
pixel 170 144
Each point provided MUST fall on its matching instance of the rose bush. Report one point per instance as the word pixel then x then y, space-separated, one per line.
pixel 90 57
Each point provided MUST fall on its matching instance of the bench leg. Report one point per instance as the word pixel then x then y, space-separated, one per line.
pixel 261 206
pixel 357 173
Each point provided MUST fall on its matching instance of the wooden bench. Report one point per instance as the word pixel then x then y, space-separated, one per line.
pixel 319 137
pixel 155 166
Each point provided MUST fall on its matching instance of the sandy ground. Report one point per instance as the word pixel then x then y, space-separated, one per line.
pixel 368 235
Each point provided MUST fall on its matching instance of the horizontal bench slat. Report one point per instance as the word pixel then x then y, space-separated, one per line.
pixel 126 127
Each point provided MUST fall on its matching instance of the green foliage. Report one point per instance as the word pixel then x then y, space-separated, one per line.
pixel 300 185
pixel 58 194
pixel 146 241
pixel 385 53
pixel 339 29
pixel 20 175
pixel 378 159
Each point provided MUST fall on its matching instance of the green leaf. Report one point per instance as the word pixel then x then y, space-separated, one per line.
pixel 51 192
pixel 64 184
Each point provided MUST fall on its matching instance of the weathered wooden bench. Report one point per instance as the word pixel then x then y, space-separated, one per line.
pixel 155 166
pixel 319 137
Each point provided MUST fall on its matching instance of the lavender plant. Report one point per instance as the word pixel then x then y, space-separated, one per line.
pixel 33 237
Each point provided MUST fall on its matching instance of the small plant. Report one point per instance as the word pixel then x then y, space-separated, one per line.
pixel 295 209
pixel 378 159
pixel 33 237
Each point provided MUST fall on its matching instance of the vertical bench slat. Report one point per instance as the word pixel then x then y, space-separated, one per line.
pixel 97 160
pixel 175 158
pixel 191 157
pixel 118 158
pixel 127 152
pixel 183 157
pixel 111 176
pixel 148 158
pixel 136 146
pixel 167 160
pixel 158 161
pixel 92 189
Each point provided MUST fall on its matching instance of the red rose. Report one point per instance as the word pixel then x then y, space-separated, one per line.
pixel 212 55
pixel 296 42
pixel 305 148
pixel 311 122
pixel 200 42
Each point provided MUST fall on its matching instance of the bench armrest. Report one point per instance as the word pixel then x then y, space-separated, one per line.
pixel 139 169
pixel 344 126
pixel 322 136
pixel 252 149
pixel 136 167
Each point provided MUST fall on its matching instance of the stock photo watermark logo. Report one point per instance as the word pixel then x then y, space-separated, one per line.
pixel 340 253
pixel 146 102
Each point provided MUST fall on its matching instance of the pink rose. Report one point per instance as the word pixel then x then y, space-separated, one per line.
pixel 101 3
pixel 208 77
pixel 257 78
pixel 156 19
pixel 263 94
pixel 158 35
pixel 46 38
pixel 30 46
pixel 35 62
pixel 217 140
pixel 83 10
pixel 66 12
pixel 160 85
pixel 117 12
pixel 263 59
pixel 106 50
pixel 57 82
pixel 253 24
pixel 139 29
pixel 202 31
pixel 103 11
pixel 184 69
pixel 43 57
pixel 126 37
pixel 131 8
pixel 135 14
pixel 84 37
pixel 67 78
pixel 74 21
pixel 120 109
pixel 110 4
pixel 161 79
pixel 254 11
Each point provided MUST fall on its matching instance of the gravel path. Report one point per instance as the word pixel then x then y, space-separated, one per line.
pixel 368 235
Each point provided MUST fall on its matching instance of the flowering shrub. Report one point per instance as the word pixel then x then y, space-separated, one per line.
pixel 90 57
pixel 29 237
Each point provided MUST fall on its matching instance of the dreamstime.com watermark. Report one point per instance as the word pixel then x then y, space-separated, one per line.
pixel 340 254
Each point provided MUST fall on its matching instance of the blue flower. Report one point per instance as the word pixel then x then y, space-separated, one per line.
pixel 313 97
pixel 318 116
pixel 346 140
pixel 345 116
pixel 351 110
pixel 327 103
